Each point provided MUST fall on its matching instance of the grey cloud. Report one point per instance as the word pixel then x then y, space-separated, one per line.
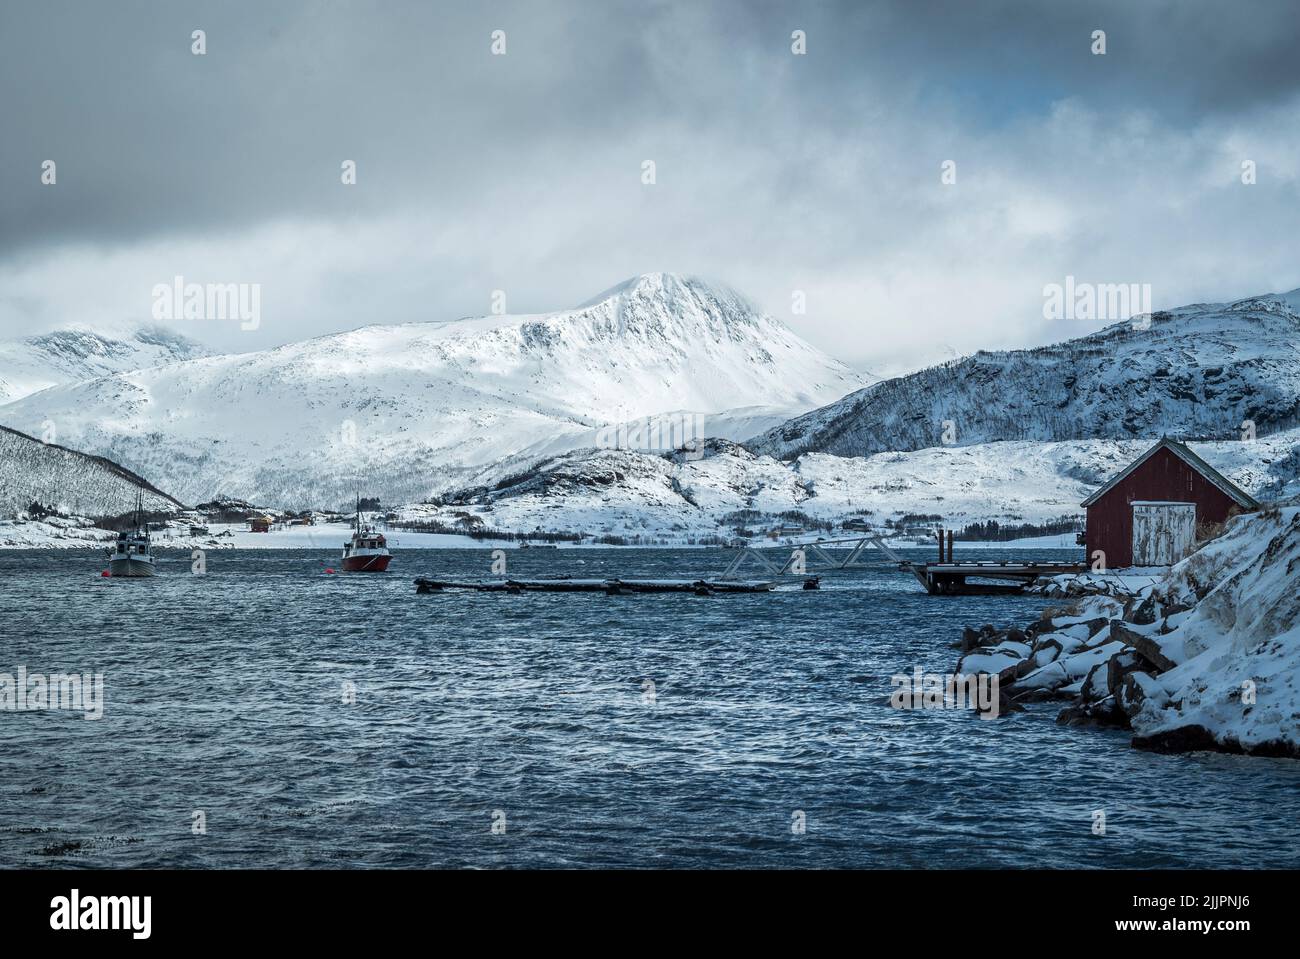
pixel 150 139
pixel 522 170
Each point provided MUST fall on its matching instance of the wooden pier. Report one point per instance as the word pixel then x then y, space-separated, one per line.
pixel 949 578
pixel 611 587
pixel 953 578
pixel 945 577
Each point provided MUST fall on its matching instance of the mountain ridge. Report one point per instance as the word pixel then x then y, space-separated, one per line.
pixel 70 481
pixel 405 410
pixel 1199 371
pixel 75 353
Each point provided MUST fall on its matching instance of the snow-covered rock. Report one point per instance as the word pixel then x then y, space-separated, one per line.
pixel 1205 657
pixel 1238 650
pixel 1125 583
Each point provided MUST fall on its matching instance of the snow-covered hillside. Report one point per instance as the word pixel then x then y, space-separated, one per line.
pixel 403 411
pixel 74 354
pixel 1198 371
pixel 674 497
pixel 67 481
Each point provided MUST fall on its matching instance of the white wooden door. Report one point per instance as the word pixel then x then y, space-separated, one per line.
pixel 1163 533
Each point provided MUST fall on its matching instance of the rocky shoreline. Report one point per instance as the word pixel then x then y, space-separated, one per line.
pixel 1203 657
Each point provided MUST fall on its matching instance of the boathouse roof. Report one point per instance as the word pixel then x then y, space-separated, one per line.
pixel 1184 453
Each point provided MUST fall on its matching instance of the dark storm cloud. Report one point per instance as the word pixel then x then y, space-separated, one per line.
pixel 150 139
pixel 477 171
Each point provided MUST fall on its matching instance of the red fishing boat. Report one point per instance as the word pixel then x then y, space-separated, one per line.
pixel 367 551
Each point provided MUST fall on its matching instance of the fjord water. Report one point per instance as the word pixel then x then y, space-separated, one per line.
pixel 225 694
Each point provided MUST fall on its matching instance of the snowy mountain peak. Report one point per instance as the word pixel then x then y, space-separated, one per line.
pixel 79 353
pixel 1285 304
pixel 675 290
pixel 90 348
pixel 402 411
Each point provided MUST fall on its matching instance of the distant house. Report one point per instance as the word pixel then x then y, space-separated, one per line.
pixel 1152 511
pixel 260 524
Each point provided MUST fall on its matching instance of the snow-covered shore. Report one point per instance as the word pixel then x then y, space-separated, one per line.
pixel 53 532
pixel 78 532
pixel 1206 656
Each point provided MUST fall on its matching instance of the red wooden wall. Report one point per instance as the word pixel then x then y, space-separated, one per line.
pixel 1162 477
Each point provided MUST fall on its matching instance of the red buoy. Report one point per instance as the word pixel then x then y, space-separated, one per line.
pixel 105 574
pixel 328 570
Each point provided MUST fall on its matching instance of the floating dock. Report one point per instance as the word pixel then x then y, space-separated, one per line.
pixel 612 587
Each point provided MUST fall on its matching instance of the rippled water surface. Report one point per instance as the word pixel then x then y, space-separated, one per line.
pixel 225 694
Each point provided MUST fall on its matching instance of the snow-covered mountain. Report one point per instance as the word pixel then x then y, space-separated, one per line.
pixel 677 498
pixel 1198 371
pixel 67 481
pixel 71 355
pixel 405 411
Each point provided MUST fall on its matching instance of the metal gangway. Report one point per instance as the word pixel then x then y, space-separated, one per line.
pixel 811 559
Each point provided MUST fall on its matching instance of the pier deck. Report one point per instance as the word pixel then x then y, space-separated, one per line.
pixel 613 587
pixel 952 578
pixel 942 578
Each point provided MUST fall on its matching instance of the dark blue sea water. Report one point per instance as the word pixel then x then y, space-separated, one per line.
pixel 225 695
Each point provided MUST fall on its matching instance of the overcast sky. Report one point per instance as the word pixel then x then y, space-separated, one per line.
pixel 775 172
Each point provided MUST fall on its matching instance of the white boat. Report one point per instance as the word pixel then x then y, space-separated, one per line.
pixel 132 554
pixel 367 550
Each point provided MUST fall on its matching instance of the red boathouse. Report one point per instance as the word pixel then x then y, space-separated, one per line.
pixel 1153 512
